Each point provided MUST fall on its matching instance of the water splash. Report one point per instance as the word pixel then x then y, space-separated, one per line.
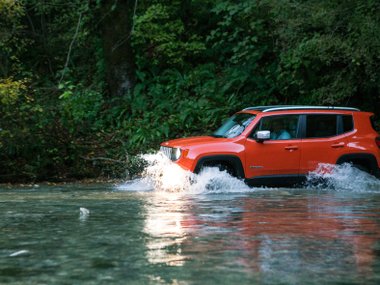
pixel 342 177
pixel 211 179
pixel 165 175
pixel 162 174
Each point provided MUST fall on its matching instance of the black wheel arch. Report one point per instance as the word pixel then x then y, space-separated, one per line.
pixel 230 160
pixel 366 160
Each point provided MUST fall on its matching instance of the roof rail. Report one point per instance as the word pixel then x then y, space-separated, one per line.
pixel 262 108
pixel 298 107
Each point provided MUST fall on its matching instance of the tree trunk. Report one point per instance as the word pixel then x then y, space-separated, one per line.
pixel 116 34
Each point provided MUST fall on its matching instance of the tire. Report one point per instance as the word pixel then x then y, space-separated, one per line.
pixel 227 168
pixel 361 168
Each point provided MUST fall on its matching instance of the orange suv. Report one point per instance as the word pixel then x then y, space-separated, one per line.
pixel 280 145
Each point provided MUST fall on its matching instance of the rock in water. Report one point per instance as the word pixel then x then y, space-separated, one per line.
pixel 83 213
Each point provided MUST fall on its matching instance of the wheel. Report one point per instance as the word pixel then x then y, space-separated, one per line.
pixel 361 168
pixel 227 168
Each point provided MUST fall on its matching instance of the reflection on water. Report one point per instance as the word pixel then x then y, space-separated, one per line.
pixel 302 223
pixel 163 225
pixel 289 235
pixel 269 236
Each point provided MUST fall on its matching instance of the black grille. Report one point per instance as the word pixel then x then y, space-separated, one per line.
pixel 167 151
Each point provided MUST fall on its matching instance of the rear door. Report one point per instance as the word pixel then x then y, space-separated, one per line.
pixel 324 139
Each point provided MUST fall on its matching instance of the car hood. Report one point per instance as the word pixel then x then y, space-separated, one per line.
pixel 193 141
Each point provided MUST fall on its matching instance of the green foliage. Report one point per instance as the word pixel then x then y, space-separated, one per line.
pixel 11 41
pixel 160 39
pixel 239 36
pixel 328 51
pixel 186 66
pixel 42 136
pixel 10 90
pixel 80 107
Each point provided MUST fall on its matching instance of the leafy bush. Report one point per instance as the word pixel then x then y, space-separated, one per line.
pixel 87 86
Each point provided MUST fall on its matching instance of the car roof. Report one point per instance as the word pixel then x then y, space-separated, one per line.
pixel 274 108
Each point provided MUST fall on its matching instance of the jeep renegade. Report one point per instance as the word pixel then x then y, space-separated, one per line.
pixel 280 145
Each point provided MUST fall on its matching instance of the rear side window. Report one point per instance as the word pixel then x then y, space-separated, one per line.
pixel 321 126
pixel 348 123
pixel 373 124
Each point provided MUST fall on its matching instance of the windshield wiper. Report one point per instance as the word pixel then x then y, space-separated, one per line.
pixel 217 136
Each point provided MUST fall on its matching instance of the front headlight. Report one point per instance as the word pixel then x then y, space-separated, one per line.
pixel 176 154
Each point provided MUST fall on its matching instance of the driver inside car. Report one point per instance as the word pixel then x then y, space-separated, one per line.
pixel 278 131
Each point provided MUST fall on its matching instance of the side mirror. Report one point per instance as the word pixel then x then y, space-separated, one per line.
pixel 261 136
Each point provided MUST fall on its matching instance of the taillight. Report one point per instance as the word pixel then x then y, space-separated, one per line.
pixel 377 140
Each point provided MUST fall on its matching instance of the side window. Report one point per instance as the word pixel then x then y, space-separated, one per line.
pixel 281 127
pixel 375 126
pixel 321 126
pixel 348 124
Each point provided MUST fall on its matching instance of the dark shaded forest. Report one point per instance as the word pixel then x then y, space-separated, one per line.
pixel 85 86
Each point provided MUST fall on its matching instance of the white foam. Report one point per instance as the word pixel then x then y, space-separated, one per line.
pixel 343 177
pixel 162 174
pixel 211 179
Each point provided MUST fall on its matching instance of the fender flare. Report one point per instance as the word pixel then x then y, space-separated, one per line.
pixel 232 160
pixel 368 158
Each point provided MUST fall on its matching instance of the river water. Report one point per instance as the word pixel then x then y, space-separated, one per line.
pixel 169 228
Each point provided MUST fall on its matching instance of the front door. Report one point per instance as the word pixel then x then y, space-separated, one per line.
pixel 279 156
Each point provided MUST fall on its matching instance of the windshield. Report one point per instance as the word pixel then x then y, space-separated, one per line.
pixel 234 126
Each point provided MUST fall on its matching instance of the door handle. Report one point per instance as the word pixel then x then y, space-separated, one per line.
pixel 291 147
pixel 336 145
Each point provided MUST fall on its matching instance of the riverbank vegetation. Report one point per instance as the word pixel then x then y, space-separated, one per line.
pixel 87 85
